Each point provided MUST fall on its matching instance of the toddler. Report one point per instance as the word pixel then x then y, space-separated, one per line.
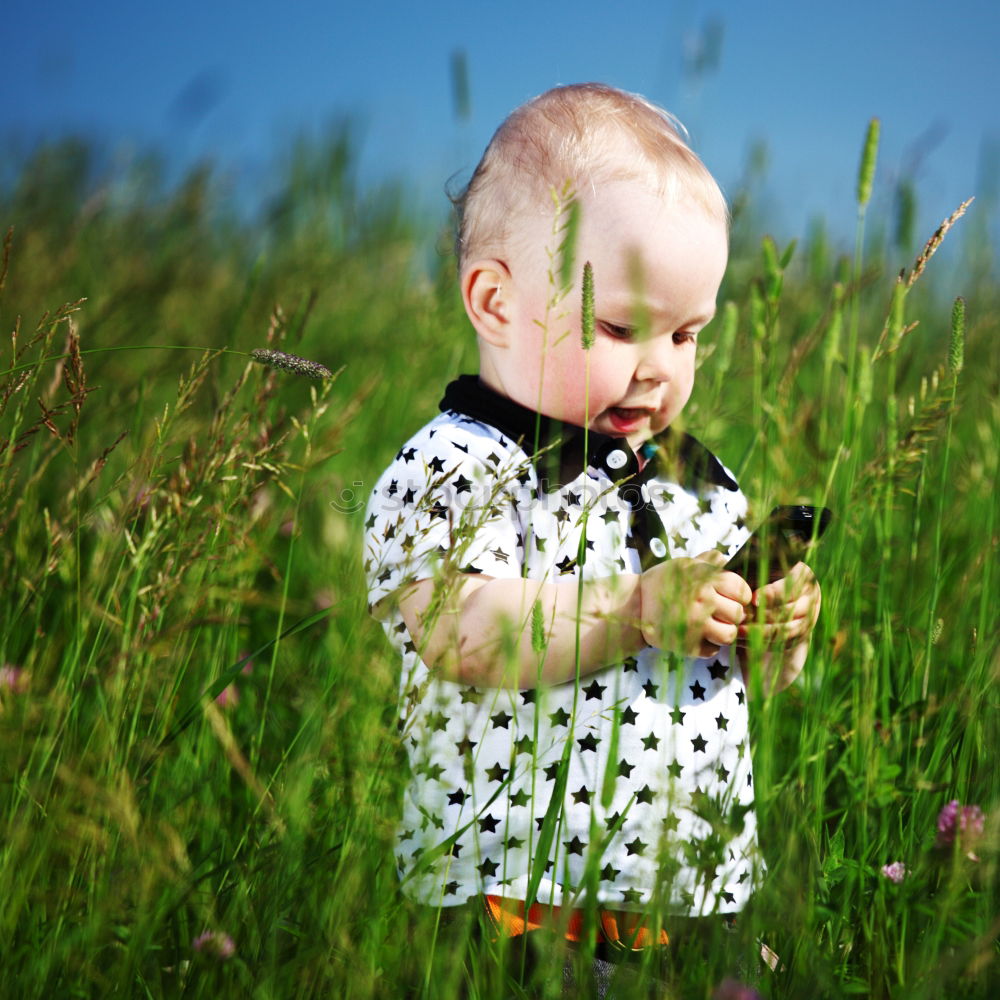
pixel 545 553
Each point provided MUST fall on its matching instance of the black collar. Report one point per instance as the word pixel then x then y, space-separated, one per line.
pixel 558 450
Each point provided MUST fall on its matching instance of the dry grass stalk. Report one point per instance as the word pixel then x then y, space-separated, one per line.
pixel 95 467
pixel 890 338
pixel 239 763
pixel 930 248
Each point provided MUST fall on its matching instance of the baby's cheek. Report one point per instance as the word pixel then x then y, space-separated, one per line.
pixel 566 391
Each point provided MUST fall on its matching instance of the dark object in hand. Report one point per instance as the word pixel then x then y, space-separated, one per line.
pixel 779 543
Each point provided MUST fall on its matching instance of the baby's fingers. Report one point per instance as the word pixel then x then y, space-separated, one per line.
pixel 779 632
pixel 798 588
pixel 787 609
pixel 777 612
pixel 805 608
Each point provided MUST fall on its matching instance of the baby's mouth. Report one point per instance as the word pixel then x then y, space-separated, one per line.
pixel 630 413
pixel 626 419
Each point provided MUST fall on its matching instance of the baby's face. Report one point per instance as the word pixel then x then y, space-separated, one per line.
pixel 657 269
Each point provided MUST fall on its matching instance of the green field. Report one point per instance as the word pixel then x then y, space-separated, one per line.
pixel 196 714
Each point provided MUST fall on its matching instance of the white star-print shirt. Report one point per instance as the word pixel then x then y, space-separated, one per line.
pixel 656 782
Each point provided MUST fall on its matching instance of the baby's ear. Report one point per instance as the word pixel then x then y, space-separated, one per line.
pixel 486 288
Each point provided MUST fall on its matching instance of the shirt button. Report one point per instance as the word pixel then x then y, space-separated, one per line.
pixel 617 459
pixel 657 547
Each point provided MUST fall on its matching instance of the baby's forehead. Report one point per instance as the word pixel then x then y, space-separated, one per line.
pixel 551 213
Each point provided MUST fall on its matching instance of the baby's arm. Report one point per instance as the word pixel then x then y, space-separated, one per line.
pixel 482 634
pixel 790 609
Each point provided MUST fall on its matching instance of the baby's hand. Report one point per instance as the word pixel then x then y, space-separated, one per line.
pixel 692 606
pixel 787 609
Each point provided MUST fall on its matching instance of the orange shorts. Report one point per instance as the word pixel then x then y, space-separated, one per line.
pixel 617 928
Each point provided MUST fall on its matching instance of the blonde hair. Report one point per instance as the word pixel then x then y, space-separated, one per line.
pixel 584 135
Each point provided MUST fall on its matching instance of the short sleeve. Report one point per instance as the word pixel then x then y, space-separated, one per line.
pixel 445 504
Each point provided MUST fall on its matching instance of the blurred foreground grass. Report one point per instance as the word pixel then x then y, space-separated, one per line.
pixel 196 715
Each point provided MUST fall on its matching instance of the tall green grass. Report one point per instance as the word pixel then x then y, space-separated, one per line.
pixel 197 716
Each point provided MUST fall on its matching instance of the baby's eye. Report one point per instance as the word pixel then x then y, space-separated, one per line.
pixel 685 337
pixel 617 331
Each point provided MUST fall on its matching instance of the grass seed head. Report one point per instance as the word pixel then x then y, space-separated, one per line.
pixel 866 172
pixel 538 638
pixel 290 363
pixel 931 246
pixel 956 352
pixel 587 316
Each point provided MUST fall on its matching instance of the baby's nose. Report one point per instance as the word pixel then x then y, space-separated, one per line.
pixel 656 361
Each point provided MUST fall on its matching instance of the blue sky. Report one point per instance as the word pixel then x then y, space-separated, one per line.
pixel 234 81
